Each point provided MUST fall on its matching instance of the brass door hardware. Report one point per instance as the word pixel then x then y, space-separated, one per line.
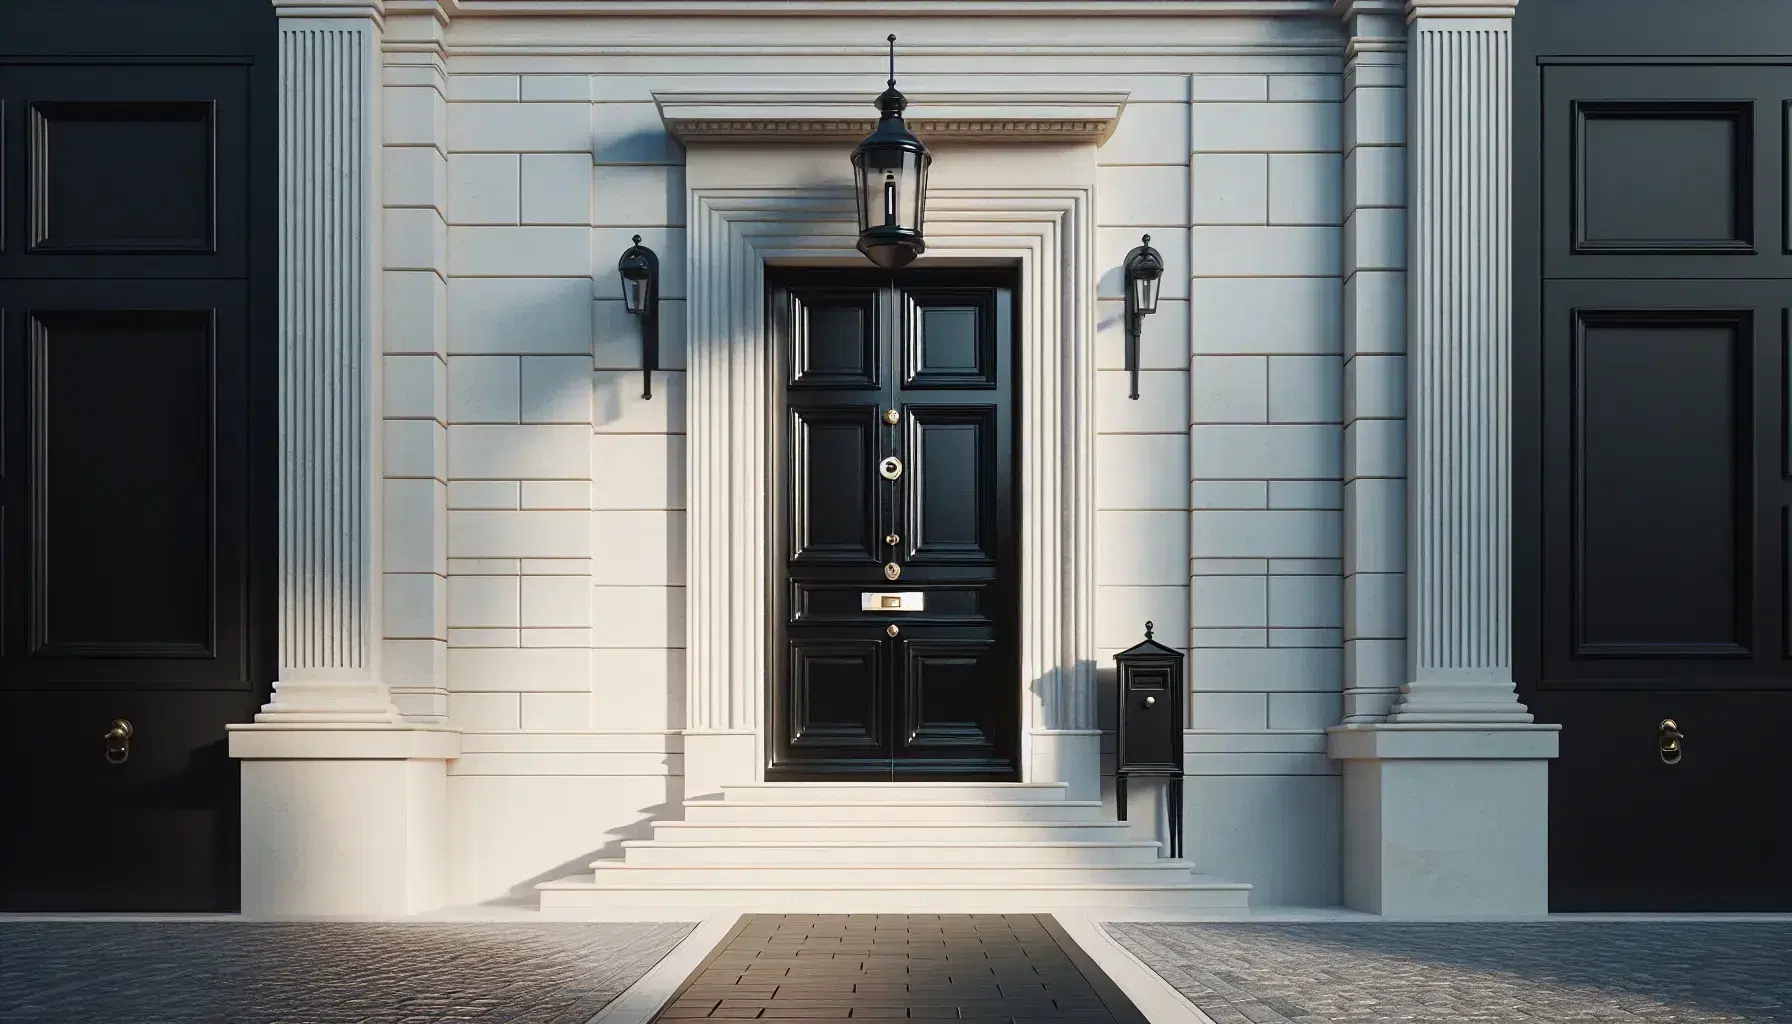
pixel 892 630
pixel 874 601
pixel 891 468
pixel 118 741
pixel 892 417
pixel 892 571
pixel 892 540
pixel 1668 737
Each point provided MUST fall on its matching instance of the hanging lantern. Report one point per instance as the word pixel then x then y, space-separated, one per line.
pixel 891 170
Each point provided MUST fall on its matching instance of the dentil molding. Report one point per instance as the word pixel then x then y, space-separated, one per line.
pixel 850 116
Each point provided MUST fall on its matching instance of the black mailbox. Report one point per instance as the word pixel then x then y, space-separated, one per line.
pixel 1149 725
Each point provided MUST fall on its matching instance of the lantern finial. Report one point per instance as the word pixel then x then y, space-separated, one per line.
pixel 1147 630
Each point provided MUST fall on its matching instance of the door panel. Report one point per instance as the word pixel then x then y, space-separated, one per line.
pixel 915 367
pixel 137 207
pixel 1651 399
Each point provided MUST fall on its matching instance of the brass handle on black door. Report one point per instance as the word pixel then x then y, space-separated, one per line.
pixel 1151 702
pixel 118 741
pixel 1668 737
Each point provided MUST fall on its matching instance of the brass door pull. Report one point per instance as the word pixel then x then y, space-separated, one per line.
pixel 1668 737
pixel 118 741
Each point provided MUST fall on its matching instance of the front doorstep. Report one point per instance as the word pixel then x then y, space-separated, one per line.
pixel 343 820
pixel 1446 820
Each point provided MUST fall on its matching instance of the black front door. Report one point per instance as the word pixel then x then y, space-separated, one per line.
pixel 897 654
pixel 136 217
pixel 1655 274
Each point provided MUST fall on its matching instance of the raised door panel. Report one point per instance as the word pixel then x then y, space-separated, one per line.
pixel 950 338
pixel 952 512
pixel 838 696
pixel 833 504
pixel 127 488
pixel 136 171
pixel 834 339
pixel 1664 485
pixel 949 698
pixel 1670 172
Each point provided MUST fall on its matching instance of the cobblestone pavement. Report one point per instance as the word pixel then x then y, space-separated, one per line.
pixel 823 968
pixel 235 972
pixel 1691 972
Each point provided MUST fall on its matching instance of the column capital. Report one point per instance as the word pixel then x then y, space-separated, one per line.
pixel 373 10
pixel 1416 9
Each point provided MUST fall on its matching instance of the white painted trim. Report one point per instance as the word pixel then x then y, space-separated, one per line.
pixel 1154 997
pixel 639 1002
pixel 733 233
pixel 850 116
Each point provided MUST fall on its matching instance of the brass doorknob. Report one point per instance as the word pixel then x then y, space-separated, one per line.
pixel 1667 738
pixel 1151 702
pixel 118 741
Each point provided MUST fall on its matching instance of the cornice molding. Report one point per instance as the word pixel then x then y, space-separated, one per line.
pixel 1416 9
pixel 888 8
pixel 841 116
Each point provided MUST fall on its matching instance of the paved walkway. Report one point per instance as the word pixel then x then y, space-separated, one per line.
pixel 235 972
pixel 1557 971
pixel 994 968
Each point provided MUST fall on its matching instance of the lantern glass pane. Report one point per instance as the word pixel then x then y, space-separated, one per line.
pixel 1144 292
pixel 915 172
pixel 634 293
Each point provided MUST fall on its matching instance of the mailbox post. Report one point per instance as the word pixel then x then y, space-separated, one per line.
pixel 1149 725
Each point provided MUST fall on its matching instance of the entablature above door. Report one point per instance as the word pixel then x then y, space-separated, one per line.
pixel 804 117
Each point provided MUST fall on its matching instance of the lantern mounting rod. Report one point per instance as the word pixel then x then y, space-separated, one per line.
pixel 892 60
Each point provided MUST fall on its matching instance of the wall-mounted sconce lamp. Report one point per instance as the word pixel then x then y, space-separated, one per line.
pixel 640 270
pixel 1144 271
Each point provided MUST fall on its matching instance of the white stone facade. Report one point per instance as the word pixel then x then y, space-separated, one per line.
pixel 520 603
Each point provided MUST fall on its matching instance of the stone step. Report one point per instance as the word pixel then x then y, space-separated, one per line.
pixel 874 810
pixel 893 853
pixel 917 830
pixel 893 792
pixel 626 872
pixel 810 894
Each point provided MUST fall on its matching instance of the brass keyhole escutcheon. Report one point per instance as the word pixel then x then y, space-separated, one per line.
pixel 118 741
pixel 1667 738
pixel 892 571
pixel 892 417
pixel 891 468
pixel 892 540
pixel 892 630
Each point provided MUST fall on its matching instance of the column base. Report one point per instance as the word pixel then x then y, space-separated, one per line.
pixel 343 820
pixel 1067 755
pixel 719 758
pixel 1445 820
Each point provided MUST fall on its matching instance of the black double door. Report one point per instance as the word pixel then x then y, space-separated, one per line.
pixel 136 255
pixel 1655 297
pixel 896 654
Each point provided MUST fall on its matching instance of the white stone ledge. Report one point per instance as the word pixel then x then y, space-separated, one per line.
pixel 331 741
pixel 1443 741
pixel 850 116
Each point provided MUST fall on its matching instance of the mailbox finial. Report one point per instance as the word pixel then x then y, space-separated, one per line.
pixel 1147 630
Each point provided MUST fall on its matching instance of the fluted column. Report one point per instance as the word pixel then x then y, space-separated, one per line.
pixel 1459 514
pixel 330 580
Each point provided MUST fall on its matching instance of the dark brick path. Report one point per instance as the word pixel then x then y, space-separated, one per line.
pixel 1549 972
pixel 238 972
pixel 993 968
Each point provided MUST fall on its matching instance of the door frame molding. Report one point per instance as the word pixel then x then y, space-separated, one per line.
pixel 730 404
